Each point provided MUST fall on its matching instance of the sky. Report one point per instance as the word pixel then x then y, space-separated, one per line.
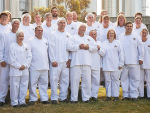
pixel 147 7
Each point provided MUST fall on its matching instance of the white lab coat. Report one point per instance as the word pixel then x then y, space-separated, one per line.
pixel 119 30
pixel 71 28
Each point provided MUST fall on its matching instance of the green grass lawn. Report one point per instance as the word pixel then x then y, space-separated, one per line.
pixel 94 107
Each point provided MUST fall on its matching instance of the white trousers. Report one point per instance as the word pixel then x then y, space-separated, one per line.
pixel 61 74
pixel 130 79
pixel 95 82
pixel 39 77
pixel 143 73
pixel 84 72
pixel 112 83
pixel 4 82
pixel 18 89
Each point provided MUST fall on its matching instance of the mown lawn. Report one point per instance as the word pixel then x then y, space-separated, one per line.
pixel 140 106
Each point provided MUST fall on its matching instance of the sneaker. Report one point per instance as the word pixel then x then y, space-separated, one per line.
pixel 87 101
pixel 65 101
pixel 134 99
pixel 125 98
pixel 24 105
pixel 1 104
pixel 31 103
pixel 116 99
pixel 45 102
pixel 54 101
pixel 141 98
pixel 108 98
pixel 16 106
pixel 94 99
pixel 73 102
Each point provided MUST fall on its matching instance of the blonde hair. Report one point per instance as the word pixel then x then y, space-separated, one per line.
pixel 118 19
pixel 100 19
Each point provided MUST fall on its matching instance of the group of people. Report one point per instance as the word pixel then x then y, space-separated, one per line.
pixel 63 51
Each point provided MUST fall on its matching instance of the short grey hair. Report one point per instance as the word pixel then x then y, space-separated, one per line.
pixel 18 32
pixel 60 19
pixel 26 14
pixel 47 14
pixel 14 21
pixel 89 14
pixel 82 24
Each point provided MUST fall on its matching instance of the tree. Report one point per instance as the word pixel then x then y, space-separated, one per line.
pixel 79 6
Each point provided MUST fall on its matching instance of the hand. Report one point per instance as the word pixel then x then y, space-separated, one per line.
pixel 120 68
pixel 98 47
pixel 54 64
pixel 81 46
pixel 86 47
pixel 140 62
pixel 68 63
pixel 22 67
pixel 3 64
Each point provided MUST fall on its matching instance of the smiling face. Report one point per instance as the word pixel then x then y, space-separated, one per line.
pixel 82 29
pixel 69 17
pixel 15 25
pixel 61 25
pixel 20 37
pixel 37 18
pixel 121 20
pixel 138 21
pixel 90 19
pixel 54 12
pixel 48 18
pixel 26 19
pixel 144 33
pixel 111 35
pixel 129 27
pixel 4 19
pixel 106 21
pixel 93 34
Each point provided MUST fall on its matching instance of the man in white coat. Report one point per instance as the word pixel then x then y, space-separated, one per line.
pixel 6 41
pixel 39 67
pixel 134 54
pixel 59 58
pixel 95 68
pixel 81 62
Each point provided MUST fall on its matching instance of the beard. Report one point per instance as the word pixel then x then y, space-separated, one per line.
pixel 55 15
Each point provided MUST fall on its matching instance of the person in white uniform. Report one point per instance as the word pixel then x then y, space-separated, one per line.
pixel 19 59
pixel 37 19
pixel 115 23
pixel 48 28
pixel 39 67
pixel 113 61
pixel 71 27
pixel 95 22
pixel 27 27
pixel 145 67
pixel 4 27
pixel 95 68
pixel 6 41
pixel 81 62
pixel 60 63
pixel 134 54
pixel 75 18
pixel 89 18
pixel 120 27
pixel 104 29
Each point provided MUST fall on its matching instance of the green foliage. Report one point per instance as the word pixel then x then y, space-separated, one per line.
pixel 72 5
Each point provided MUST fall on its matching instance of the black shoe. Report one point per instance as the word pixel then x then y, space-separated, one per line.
pixel 24 105
pixel 148 98
pixel 54 101
pixel 65 101
pixel 31 103
pixel 16 106
pixel 125 98
pixel 134 99
pixel 108 98
pixel 141 98
pixel 45 102
pixel 73 102
pixel 1 104
pixel 94 99
pixel 87 101
pixel 103 83
pixel 116 99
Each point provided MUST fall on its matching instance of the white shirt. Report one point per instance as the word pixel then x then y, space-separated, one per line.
pixel 99 25
pixel 114 57
pixel 77 23
pixel 103 33
pixel 119 30
pixel 81 56
pixel 89 28
pixel 18 56
pixel 5 42
pixel 39 49
pixel 71 28
pixel 96 57
pixel 28 32
pixel 142 25
pixel 4 29
pixel 48 30
pixel 57 46
pixel 146 61
pixel 138 31
pixel 35 25
pixel 54 21
pixel 133 48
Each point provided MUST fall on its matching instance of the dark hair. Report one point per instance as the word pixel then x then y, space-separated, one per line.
pixel 54 8
pixel 24 12
pixel 94 13
pixel 138 13
pixel 128 22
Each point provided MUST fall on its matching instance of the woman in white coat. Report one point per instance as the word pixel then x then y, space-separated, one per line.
pixel 19 59
pixel 145 67
pixel 112 64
